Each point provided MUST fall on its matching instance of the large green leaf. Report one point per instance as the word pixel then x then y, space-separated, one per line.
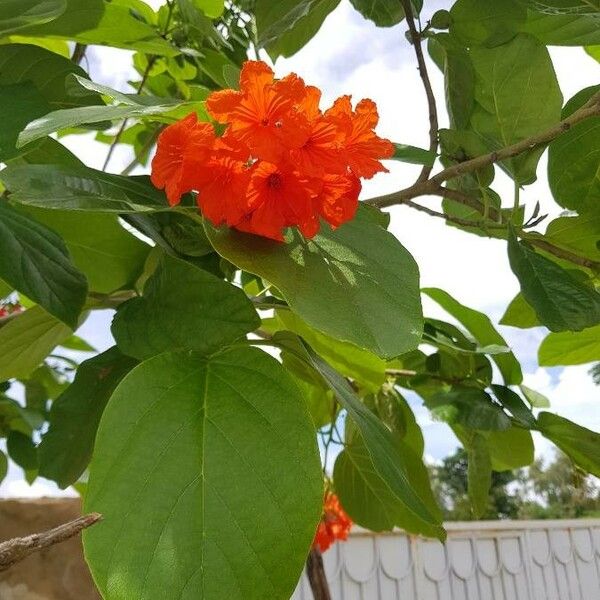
pixel 574 159
pixel 480 326
pixel 103 23
pixel 382 12
pixel 570 348
pixel 383 451
pixel 69 187
pixel 100 247
pixel 554 7
pixel 66 448
pixel 580 444
pixel 480 22
pixel 35 261
pixel 19 14
pixel 561 301
pixel 220 456
pixel 183 307
pixel 514 403
pixel 27 339
pixel 563 30
pixel 368 499
pixel 21 449
pixel 508 108
pixel 334 280
pixel 302 31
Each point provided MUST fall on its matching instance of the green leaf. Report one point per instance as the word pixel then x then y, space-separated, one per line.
pixel 469 407
pixel 334 280
pixel 510 449
pixel 382 12
pixel 3 466
pixel 368 499
pixel 69 187
pixel 302 31
pixel 350 360
pixel 563 30
pixel 85 115
pixel 570 348
pixel 508 110
pixel 43 70
pixel 560 301
pixel 520 314
pixel 211 8
pixel 480 326
pixel 109 256
pixel 224 466
pixel 381 445
pixel 27 339
pixel 413 155
pixel 102 23
pixel 479 473
pixel 23 103
pixel 580 234
pixel 276 18
pixel 553 7
pixel 66 448
pixel 534 398
pixel 78 344
pixel 480 22
pixel 22 450
pixel 183 308
pixel 35 261
pixel 573 160
pixel 19 14
pixel 580 444
pixel 513 402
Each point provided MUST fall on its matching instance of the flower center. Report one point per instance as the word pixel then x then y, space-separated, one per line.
pixel 275 181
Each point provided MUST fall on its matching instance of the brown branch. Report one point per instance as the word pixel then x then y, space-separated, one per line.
pixel 316 575
pixel 78 53
pixel 432 185
pixel 567 255
pixel 433 118
pixel 15 550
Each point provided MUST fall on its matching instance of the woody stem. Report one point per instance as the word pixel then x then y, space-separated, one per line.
pixel 316 575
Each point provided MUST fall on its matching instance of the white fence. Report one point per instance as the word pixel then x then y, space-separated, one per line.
pixel 491 560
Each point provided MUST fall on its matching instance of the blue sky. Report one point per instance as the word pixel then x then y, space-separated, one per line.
pixel 351 55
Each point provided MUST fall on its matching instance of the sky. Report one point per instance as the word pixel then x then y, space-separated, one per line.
pixel 350 55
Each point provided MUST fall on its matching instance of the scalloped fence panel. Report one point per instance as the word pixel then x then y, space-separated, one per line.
pixel 485 560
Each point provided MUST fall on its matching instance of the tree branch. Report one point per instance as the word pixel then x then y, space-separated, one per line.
pixel 78 53
pixel 567 255
pixel 316 575
pixel 15 550
pixel 432 185
pixel 433 118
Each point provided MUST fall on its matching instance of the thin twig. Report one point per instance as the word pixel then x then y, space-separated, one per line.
pixel 452 219
pixel 78 53
pixel 567 255
pixel 136 159
pixel 15 550
pixel 433 118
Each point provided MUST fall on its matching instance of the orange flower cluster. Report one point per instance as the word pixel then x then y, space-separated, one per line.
pixel 281 161
pixel 335 523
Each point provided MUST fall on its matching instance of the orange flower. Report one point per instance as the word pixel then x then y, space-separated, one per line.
pixel 178 145
pixel 262 113
pixel 281 161
pixel 279 197
pixel 335 523
pixel 321 152
pixel 363 148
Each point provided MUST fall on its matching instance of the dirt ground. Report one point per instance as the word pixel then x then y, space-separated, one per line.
pixel 57 573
